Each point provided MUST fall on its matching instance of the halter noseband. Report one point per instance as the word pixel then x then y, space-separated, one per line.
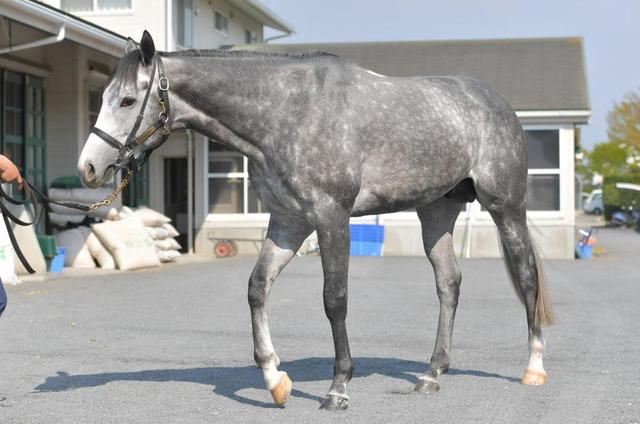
pixel 126 159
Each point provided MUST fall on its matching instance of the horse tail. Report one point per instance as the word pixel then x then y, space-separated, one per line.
pixel 543 313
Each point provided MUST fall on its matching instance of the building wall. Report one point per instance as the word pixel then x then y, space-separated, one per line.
pixel 145 14
pixel 205 36
pixel 475 235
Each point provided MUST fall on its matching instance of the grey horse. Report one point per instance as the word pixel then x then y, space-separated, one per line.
pixel 328 140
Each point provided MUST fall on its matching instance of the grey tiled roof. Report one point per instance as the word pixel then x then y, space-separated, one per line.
pixel 532 74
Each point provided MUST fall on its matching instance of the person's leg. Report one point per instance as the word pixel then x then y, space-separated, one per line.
pixel 3 298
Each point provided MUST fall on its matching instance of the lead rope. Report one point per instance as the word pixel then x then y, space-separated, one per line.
pixel 110 198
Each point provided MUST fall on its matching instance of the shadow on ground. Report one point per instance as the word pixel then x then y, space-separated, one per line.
pixel 228 381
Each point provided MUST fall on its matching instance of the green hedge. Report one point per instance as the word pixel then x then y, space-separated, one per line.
pixel 613 198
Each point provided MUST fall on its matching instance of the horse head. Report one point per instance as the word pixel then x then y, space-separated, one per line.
pixel 133 109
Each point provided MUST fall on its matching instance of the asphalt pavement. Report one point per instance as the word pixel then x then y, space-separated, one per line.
pixel 173 345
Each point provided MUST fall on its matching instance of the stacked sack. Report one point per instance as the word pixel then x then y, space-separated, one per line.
pixel 70 189
pixel 158 227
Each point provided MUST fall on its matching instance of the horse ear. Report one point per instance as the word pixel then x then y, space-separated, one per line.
pixel 130 46
pixel 147 47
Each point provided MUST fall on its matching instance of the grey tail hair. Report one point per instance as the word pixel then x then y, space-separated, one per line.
pixel 543 314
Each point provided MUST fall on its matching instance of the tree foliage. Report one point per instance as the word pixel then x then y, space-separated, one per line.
pixel 620 155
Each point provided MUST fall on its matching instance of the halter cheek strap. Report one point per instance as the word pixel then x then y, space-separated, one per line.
pixel 126 159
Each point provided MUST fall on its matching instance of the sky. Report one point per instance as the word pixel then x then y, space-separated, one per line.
pixel 610 29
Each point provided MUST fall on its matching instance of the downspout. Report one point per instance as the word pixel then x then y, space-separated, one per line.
pixel 169 33
pixel 190 190
pixel 277 37
pixel 31 44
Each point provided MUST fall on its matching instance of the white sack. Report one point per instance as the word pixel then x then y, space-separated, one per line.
pixel 171 230
pixel 167 244
pixel 97 250
pixel 152 218
pixel 76 251
pixel 168 255
pixel 7 259
pixel 128 242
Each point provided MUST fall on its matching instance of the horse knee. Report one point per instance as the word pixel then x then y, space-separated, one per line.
pixel 257 293
pixel 335 307
pixel 449 288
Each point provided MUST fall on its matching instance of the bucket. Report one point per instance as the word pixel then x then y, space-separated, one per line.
pixel 366 240
pixel 57 262
pixel 585 251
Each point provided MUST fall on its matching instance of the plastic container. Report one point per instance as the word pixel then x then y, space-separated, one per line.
pixel 57 262
pixel 366 239
pixel 47 245
pixel 585 251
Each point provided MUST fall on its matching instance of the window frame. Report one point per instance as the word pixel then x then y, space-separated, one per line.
pixel 224 15
pixel 244 176
pixel 183 45
pixel 95 11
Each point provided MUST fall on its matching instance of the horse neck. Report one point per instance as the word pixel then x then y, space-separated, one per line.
pixel 227 99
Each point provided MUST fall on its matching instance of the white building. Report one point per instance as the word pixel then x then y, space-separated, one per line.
pixel 545 82
pixel 543 79
pixel 72 70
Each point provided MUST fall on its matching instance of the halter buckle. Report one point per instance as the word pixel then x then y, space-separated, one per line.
pixel 163 84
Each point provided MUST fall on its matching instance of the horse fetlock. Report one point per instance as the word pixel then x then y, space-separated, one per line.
pixel 335 402
pixel 427 384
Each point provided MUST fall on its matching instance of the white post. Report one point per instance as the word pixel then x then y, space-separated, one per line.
pixel 190 190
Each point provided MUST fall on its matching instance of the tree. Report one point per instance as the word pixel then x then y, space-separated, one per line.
pixel 624 121
pixel 620 155
pixel 609 159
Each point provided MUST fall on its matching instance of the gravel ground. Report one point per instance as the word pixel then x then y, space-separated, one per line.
pixel 174 345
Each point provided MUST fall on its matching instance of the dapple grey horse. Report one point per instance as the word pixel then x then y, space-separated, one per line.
pixel 328 140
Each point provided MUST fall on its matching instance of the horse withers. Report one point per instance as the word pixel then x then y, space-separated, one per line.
pixel 328 140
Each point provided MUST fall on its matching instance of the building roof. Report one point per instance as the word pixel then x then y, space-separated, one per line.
pixel 49 19
pixel 263 14
pixel 537 74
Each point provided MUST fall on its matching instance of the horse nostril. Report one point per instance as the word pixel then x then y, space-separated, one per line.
pixel 90 170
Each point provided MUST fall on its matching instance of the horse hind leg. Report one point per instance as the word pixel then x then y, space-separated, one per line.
pixel 438 220
pixel 279 247
pixel 526 274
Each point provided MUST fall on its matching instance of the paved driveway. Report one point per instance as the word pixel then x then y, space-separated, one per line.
pixel 174 345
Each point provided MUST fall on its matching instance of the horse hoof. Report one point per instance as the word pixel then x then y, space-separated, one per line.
pixel 281 391
pixel 534 378
pixel 335 403
pixel 427 385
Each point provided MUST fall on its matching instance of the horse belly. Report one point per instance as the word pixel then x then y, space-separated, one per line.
pixel 386 189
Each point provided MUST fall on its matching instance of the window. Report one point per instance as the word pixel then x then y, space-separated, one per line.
pixel 184 23
pixel 221 22
pixel 230 189
pixel 543 181
pixel 250 37
pixel 13 118
pixel 95 103
pixel 95 5
pixel 22 123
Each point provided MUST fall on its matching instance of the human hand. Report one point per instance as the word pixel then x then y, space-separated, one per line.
pixel 9 172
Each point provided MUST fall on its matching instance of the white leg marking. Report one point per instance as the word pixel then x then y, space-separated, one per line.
pixel 536 350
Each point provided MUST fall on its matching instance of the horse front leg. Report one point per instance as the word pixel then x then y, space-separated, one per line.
pixel 280 245
pixel 333 237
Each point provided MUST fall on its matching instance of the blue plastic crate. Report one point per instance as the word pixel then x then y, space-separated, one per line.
pixel 57 262
pixel 366 240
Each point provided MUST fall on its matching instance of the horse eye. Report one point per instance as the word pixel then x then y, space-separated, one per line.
pixel 127 101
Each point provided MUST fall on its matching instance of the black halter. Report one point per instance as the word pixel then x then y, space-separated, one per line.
pixel 126 159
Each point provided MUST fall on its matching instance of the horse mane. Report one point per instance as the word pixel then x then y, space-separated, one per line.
pixel 126 71
pixel 245 54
